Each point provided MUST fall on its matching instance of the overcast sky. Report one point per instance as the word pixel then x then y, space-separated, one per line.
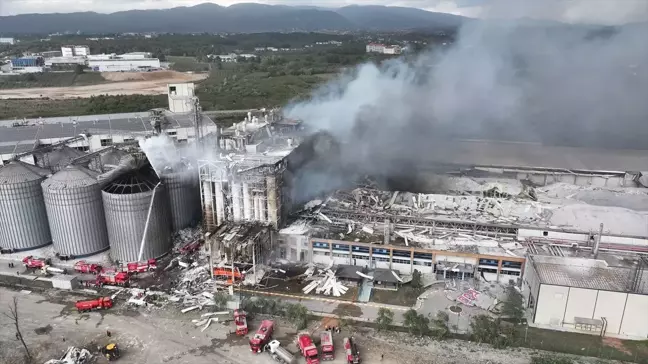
pixel 584 11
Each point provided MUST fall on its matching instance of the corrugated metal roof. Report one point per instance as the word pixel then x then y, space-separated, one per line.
pixel 19 172
pixel 71 177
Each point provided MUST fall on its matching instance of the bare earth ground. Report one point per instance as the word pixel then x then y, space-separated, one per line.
pixel 119 83
pixel 50 324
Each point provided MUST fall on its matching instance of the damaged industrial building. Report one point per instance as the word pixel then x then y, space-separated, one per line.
pixel 272 209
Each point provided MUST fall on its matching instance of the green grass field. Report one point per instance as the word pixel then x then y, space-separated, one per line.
pixel 188 64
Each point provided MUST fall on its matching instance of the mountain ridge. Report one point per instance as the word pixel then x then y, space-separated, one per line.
pixel 237 18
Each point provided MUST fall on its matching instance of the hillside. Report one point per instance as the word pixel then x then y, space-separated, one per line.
pixel 239 18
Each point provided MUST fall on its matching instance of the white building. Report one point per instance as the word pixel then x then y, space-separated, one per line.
pixel 605 296
pixel 383 49
pixel 232 57
pixel 63 61
pixel 81 51
pixel 136 55
pixel 11 41
pixel 123 65
pixel 72 51
pixel 180 95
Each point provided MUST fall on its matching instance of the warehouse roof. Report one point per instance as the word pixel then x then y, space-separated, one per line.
pixel 588 273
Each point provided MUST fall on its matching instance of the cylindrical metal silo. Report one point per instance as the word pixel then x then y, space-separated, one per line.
pixel 23 219
pixel 75 212
pixel 127 202
pixel 184 197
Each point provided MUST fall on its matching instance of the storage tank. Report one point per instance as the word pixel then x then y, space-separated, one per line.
pixel 127 201
pixel 23 219
pixel 184 196
pixel 75 212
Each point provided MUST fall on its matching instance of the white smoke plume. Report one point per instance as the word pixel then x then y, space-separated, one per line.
pixel 508 79
pixel 166 156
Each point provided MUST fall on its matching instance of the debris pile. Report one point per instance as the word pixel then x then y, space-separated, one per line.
pixel 325 284
pixel 73 356
pixel 470 297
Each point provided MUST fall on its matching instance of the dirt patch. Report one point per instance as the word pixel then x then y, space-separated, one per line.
pixel 147 83
pixel 43 330
pixel 150 76
pixel 617 344
pixel 347 309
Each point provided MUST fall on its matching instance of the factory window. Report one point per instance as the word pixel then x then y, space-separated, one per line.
pixel 171 133
pixel 172 90
pixel 424 256
pixel 317 244
pixel 316 252
pixel 376 259
pixel 487 270
pixel 380 251
pixel 106 142
pixel 514 265
pixel 545 233
pixel 510 273
pixel 182 140
pixel 128 140
pixel 340 255
pixel 401 253
pixel 360 256
pixel 490 262
pixel 361 249
pixel 401 261
pixel 341 247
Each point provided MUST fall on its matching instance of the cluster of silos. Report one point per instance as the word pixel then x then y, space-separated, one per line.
pixel 135 203
pixel 75 212
pixel 23 217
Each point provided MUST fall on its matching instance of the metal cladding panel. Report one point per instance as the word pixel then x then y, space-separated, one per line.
pixel 126 218
pixel 76 218
pixel 23 218
pixel 184 198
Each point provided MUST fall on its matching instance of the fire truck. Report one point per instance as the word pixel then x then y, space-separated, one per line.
pixel 140 267
pixel 326 344
pixel 84 267
pixel 262 336
pixel 351 351
pixel 112 278
pixel 102 303
pixel 240 321
pixel 190 247
pixel 226 274
pixel 307 348
pixel 36 263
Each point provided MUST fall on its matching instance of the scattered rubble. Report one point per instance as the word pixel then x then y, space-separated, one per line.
pixel 73 356
pixel 325 283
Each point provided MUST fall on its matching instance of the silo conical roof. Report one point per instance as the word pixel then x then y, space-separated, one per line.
pixel 71 177
pixel 19 172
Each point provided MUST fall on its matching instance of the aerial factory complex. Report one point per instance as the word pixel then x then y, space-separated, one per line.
pixel 569 226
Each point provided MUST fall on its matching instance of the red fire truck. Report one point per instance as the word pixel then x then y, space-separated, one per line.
pixel 84 267
pixel 351 351
pixel 102 303
pixel 140 267
pixel 112 278
pixel 262 336
pixel 307 348
pixel 240 320
pixel 190 247
pixel 326 344
pixel 226 274
pixel 35 263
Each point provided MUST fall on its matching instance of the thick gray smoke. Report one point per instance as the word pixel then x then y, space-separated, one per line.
pixel 512 79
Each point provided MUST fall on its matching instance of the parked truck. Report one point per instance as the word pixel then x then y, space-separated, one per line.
pixel 140 267
pixel 85 267
pixel 307 348
pixel 112 278
pixel 35 263
pixel 351 351
pixel 262 337
pixel 240 321
pixel 326 344
pixel 102 303
pixel 279 353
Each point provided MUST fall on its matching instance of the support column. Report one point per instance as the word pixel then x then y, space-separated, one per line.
pixel 273 213
pixel 247 202
pixel 236 202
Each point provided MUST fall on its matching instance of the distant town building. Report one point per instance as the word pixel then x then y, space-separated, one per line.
pixel 75 51
pixel 7 41
pixel 232 57
pixel 118 64
pixel 330 42
pixel 383 49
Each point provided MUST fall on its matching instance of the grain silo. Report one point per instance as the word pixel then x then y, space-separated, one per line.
pixel 23 219
pixel 75 212
pixel 129 201
pixel 184 196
